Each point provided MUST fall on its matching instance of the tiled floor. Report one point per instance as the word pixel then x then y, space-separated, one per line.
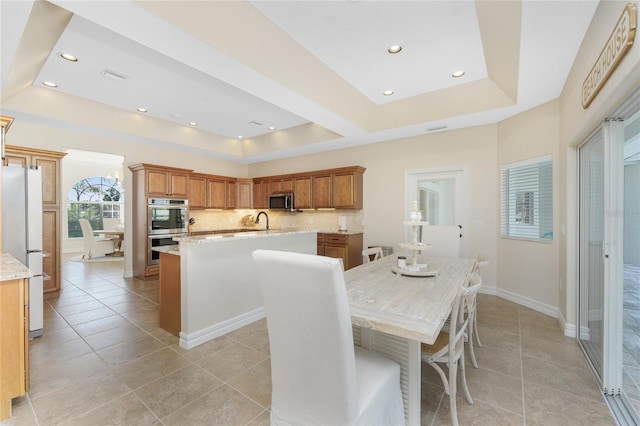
pixel 631 339
pixel 103 360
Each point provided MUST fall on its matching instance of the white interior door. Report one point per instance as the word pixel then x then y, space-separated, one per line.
pixel 441 195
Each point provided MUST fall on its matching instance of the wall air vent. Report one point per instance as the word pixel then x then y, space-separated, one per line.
pixel 113 75
pixel 433 129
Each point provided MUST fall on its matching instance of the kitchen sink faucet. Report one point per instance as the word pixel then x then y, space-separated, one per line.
pixel 266 215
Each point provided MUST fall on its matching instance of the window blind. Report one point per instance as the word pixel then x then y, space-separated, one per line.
pixel 527 200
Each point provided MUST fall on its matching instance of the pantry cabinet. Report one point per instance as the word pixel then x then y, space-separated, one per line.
pixel 50 164
pixel 347 247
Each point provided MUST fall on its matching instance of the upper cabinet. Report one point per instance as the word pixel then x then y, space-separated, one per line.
pixel 244 193
pixel 323 189
pixel 346 189
pixel 167 182
pixel 219 192
pixel 49 163
pixel 302 191
pixel 197 191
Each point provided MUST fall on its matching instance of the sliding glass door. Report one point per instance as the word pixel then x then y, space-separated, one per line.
pixel 591 272
pixel 606 227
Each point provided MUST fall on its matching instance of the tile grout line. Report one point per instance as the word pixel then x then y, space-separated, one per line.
pixel 524 407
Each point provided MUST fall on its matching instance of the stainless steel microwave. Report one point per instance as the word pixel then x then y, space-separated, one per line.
pixel 283 201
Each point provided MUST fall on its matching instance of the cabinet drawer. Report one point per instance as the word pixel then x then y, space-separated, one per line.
pixel 336 239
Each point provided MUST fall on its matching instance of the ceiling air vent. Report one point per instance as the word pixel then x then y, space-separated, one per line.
pixel 255 123
pixel 113 75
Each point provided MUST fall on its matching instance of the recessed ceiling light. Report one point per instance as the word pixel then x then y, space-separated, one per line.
pixel 458 73
pixel 388 92
pixel 394 49
pixel 68 57
pixel 141 109
pixel 49 84
pixel 272 128
pixel 193 123
pixel 240 137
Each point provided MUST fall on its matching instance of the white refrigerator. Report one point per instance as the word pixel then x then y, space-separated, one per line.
pixel 22 232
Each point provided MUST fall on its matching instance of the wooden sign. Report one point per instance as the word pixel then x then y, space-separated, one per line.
pixel 614 50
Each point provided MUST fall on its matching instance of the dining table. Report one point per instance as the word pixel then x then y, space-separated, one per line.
pixel 394 310
pixel 113 232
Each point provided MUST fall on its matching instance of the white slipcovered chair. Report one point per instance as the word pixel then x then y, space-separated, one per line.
pixel 449 346
pixel 444 240
pixel 318 376
pixel 94 245
pixel 376 252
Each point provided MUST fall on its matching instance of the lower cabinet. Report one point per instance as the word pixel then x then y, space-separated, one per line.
pixel 347 247
pixel 14 342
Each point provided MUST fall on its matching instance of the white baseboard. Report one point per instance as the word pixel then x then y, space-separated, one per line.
pixel 191 340
pixel 568 329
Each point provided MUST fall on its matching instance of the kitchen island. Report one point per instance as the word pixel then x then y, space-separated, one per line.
pixel 218 283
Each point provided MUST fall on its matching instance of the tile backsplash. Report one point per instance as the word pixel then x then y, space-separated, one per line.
pixel 325 220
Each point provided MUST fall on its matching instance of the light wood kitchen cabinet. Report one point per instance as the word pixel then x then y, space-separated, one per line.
pixel 347 189
pixel 51 254
pixel 165 182
pixel 321 191
pixel 50 164
pixel 302 192
pixel 216 193
pixel 347 247
pixel 169 294
pixel 147 182
pixel 197 192
pixel 244 193
pixel 261 192
pixel 14 342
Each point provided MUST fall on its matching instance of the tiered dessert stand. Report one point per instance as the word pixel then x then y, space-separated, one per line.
pixel 413 268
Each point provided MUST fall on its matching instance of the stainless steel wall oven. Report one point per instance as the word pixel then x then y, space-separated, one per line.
pixel 167 219
pixel 168 216
pixel 153 257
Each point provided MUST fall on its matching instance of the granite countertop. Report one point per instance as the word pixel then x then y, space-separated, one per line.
pixel 11 269
pixel 221 237
pixel 201 233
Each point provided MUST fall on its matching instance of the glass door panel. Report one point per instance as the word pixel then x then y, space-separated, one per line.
pixel 591 272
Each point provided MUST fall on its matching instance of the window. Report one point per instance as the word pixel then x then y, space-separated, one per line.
pixel 95 198
pixel 527 200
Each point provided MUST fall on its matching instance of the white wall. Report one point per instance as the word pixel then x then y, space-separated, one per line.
pixel 530 269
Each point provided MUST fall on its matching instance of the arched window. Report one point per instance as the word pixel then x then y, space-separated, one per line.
pixel 95 198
